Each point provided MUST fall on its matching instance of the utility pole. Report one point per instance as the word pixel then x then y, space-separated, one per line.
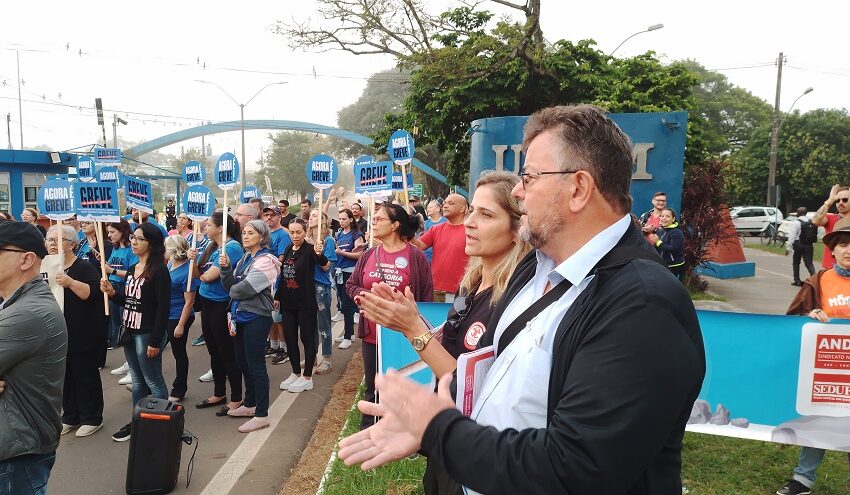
pixel 20 108
pixel 9 128
pixel 772 200
pixel 203 150
pixel 244 170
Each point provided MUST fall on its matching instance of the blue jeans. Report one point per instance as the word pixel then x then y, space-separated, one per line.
pixel 807 467
pixel 323 322
pixel 250 348
pixel 348 307
pixel 26 474
pixel 115 312
pixel 147 373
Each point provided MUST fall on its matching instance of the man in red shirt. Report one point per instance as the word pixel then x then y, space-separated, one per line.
pixel 649 221
pixel 840 196
pixel 448 241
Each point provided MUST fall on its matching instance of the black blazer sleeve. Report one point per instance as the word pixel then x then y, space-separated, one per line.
pixel 621 411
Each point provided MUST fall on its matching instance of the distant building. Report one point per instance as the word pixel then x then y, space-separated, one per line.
pixel 23 171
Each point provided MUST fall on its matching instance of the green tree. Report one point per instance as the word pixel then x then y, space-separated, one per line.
pixel 731 113
pixel 813 153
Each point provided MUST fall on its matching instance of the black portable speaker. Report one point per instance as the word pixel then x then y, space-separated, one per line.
pixel 155 447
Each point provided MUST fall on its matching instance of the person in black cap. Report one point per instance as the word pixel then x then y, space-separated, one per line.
pixel 170 215
pixel 33 345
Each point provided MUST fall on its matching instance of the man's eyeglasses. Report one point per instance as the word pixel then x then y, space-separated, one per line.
pixel 52 240
pixel 843 200
pixel 528 177
pixel 134 237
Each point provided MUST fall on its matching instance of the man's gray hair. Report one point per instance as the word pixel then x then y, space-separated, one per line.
pixel 250 210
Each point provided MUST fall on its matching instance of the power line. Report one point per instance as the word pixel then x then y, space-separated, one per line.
pixel 752 66
pixel 807 69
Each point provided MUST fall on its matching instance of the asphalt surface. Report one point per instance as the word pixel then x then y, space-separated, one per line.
pixel 769 292
pixel 226 461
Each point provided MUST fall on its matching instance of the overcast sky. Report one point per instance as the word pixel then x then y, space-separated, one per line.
pixel 143 60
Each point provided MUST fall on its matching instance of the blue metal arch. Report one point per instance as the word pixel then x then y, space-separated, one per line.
pixel 289 125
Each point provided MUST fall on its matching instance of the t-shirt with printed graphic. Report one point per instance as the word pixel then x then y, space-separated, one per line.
pixel 297 285
pixel 828 257
pixel 121 259
pixel 449 258
pixel 461 334
pixel 146 304
pixel 835 294
pixel 392 268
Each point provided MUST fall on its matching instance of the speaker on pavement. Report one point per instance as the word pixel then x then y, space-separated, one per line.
pixel 155 447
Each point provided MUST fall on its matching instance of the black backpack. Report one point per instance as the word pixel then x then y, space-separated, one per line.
pixel 808 232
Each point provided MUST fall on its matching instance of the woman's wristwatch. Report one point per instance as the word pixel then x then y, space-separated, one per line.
pixel 114 271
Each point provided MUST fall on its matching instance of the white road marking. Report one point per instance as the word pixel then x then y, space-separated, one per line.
pixel 227 477
pixel 775 273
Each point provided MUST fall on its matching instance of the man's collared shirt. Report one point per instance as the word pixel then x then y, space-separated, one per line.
pixel 516 389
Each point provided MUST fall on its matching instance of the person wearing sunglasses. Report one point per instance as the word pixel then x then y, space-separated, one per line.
pixel 146 299
pixel 396 262
pixel 840 197
pixel 494 249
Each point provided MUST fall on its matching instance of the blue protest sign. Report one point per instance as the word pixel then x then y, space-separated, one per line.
pixel 248 193
pixel 226 171
pixel 56 199
pixel 398 185
pixel 96 201
pixel 85 168
pixel 400 147
pixel 322 171
pixel 198 202
pixel 107 155
pixel 372 178
pixel 139 194
pixel 193 173
pixel 395 351
pixel 110 174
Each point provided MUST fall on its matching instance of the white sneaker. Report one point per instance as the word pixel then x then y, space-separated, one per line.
pixel 67 428
pixel 338 339
pixel 300 385
pixel 127 380
pixel 345 344
pixel 87 430
pixel 284 385
pixel 206 377
pixel 124 368
pixel 338 317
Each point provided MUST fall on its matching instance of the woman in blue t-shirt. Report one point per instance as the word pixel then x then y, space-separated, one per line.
pixel 119 260
pixel 215 302
pixel 180 313
pixel 349 247
pixel 323 286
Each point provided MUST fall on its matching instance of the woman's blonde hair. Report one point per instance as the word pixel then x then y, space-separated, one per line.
pixel 323 224
pixel 178 246
pixel 501 183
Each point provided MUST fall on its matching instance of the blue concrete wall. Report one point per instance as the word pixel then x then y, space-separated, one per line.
pixel 659 152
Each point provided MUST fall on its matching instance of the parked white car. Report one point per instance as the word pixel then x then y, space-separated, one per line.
pixel 785 226
pixel 754 219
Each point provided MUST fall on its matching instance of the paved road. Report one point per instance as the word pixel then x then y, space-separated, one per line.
pixel 226 461
pixel 769 292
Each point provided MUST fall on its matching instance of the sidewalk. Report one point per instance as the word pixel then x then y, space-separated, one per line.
pixel 769 292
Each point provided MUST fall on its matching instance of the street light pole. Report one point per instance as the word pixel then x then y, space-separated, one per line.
pixel 774 137
pixel 654 27
pixel 241 118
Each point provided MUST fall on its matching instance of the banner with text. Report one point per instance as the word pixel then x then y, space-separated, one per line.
pixel 248 193
pixel 372 178
pixel 198 202
pixel 226 171
pixel 96 201
pixel 110 174
pixel 56 199
pixel 398 185
pixel 139 194
pixel 322 171
pixel 194 173
pixel 85 168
